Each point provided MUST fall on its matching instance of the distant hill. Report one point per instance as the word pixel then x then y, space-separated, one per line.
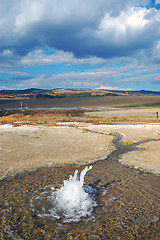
pixel 62 93
pixel 140 92
pixel 24 91
pixel 145 92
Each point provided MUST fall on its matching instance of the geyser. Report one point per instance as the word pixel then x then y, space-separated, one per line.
pixel 70 202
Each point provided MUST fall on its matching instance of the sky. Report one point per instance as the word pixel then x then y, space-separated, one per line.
pixel 109 44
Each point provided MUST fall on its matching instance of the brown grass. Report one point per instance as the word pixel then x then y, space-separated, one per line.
pixel 50 118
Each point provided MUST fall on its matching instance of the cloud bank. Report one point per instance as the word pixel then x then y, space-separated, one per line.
pixel 74 32
pixel 101 28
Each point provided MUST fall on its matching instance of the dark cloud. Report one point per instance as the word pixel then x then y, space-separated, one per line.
pixel 92 33
pixel 15 79
pixel 102 28
pixel 21 78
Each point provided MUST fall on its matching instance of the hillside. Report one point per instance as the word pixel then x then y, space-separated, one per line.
pixel 35 93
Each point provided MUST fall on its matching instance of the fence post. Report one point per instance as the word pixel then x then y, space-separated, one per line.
pixel 157 114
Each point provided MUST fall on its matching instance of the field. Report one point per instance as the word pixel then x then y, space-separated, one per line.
pixel 41 148
pixel 109 101
pixel 50 129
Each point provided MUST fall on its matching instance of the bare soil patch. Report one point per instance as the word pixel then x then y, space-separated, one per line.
pixel 28 147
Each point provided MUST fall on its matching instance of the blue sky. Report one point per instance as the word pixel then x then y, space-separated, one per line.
pixel 80 44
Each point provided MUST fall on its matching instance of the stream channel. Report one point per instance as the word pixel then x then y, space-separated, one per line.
pixel 128 205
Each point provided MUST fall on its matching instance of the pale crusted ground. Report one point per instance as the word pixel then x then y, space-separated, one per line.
pixel 27 147
pixel 149 157
pixel 131 133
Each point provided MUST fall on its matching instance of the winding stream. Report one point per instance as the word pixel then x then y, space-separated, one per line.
pixel 124 148
pixel 127 202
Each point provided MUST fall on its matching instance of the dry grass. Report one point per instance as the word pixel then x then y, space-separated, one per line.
pixel 42 118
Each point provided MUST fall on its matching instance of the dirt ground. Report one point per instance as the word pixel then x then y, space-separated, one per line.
pixel 28 147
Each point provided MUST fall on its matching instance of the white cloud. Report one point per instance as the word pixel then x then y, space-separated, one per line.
pixel 3 88
pixel 114 88
pixel 40 57
pixel 98 33
pixel 43 57
pixel 112 76
pixel 81 27
pixel 133 18
pixel 7 52
pixel 131 28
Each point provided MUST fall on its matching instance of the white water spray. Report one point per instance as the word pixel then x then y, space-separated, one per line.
pixel 72 198
pixel 70 202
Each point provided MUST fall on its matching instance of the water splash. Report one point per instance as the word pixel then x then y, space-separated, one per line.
pixel 69 203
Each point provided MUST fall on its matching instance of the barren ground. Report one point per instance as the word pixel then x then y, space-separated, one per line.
pixel 129 199
pixel 28 147
pixel 148 157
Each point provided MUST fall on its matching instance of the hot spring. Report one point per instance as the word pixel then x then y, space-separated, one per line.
pixel 115 203
pixel 69 203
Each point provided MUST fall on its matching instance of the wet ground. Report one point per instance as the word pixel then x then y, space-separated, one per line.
pixel 128 204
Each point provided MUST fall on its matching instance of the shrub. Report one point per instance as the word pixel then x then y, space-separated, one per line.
pixel 74 113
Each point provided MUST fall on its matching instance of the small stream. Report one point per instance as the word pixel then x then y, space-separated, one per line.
pixel 128 206
pixel 121 149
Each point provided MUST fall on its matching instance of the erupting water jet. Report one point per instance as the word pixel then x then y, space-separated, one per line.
pixel 70 202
